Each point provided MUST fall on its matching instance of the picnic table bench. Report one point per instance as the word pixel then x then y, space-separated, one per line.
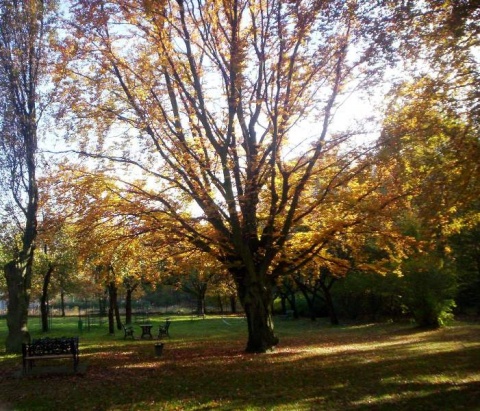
pixel 128 330
pixel 146 330
pixel 49 349
pixel 163 329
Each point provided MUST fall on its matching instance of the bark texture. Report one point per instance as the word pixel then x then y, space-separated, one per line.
pixel 256 299
pixel 17 308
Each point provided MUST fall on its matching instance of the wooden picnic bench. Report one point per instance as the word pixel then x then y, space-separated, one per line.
pixel 49 349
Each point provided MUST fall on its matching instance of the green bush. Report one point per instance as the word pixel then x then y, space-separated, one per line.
pixel 429 288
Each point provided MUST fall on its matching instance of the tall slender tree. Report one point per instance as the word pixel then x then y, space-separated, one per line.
pixel 23 28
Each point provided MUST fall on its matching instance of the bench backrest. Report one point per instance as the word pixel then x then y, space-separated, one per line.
pixel 51 346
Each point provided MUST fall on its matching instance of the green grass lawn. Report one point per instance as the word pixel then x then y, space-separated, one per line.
pixel 203 367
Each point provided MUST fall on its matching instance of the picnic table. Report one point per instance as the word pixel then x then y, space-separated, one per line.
pixel 146 330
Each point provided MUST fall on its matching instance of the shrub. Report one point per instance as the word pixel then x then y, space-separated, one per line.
pixel 429 289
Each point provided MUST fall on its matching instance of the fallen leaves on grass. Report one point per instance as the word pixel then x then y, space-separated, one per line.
pixel 315 368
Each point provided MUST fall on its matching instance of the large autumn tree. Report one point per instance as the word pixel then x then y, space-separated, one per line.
pixel 225 105
pixel 23 30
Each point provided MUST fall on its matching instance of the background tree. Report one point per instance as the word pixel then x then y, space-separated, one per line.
pixel 466 251
pixel 431 133
pixel 224 289
pixel 24 28
pixel 193 272
pixel 286 291
pixel 45 268
pixel 112 249
pixel 56 257
pixel 435 146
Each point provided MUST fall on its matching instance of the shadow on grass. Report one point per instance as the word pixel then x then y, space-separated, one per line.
pixel 379 368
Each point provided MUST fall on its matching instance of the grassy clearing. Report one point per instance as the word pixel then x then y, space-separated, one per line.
pixel 203 367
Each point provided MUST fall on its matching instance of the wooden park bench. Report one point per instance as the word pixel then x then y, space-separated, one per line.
pixel 163 329
pixel 128 330
pixel 49 349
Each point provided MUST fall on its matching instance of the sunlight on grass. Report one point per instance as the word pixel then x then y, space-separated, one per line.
pixel 453 379
pixel 436 347
pixel 142 365
pixel 306 351
pixel 379 400
pixel 412 390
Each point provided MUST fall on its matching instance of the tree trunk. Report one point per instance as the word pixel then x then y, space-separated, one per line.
pixel 293 305
pixel 17 308
pixel 233 304
pixel 310 300
pixel 112 309
pixel 220 303
pixel 117 312
pixel 102 306
pixel 21 50
pixel 201 301
pixel 200 306
pixel 44 308
pixel 327 295
pixel 283 303
pixel 62 301
pixel 331 310
pixel 111 322
pixel 477 249
pixel 128 306
pixel 257 302
pixel 287 293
